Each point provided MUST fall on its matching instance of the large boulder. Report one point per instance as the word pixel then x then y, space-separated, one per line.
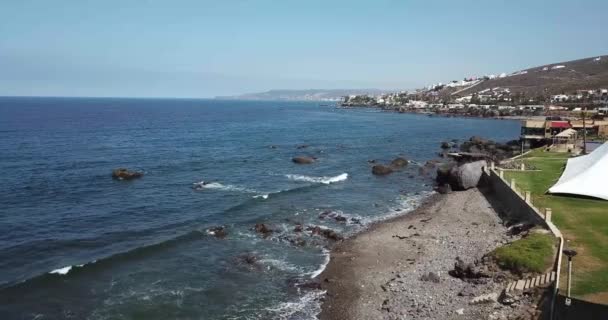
pixel 303 160
pixel 381 170
pixel 125 174
pixel 467 175
pixel 443 173
pixel 399 162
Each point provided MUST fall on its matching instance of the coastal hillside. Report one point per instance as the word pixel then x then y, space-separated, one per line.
pixel 557 78
pixel 303 95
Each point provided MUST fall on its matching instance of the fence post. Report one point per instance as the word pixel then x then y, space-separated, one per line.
pixel 501 174
pixel 492 165
pixel 513 184
pixel 523 166
pixel 528 197
pixel 548 213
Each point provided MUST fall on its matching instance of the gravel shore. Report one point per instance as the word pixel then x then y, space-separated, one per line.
pixel 398 269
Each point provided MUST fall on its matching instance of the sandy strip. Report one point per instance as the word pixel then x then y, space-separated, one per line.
pixel 377 273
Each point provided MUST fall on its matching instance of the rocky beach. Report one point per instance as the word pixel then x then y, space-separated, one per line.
pixel 411 267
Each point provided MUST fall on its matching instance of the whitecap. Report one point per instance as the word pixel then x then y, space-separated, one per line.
pixel 323 180
pixel 62 271
pixel 219 186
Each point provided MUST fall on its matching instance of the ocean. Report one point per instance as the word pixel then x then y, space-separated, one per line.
pixel 77 244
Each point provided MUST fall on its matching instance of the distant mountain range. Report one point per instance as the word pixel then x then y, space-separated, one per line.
pixel 304 95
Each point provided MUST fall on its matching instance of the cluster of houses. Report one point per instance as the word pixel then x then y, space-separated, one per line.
pixel 598 96
pixel 562 133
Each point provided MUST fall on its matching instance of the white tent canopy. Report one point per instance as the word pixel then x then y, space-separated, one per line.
pixel 586 175
pixel 568 133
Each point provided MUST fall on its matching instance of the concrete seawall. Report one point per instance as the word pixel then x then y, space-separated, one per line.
pixel 516 205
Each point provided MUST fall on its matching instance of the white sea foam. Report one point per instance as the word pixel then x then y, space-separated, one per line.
pixel 307 307
pixel 316 273
pixel 262 196
pixel 66 270
pixel 280 264
pixel 62 271
pixel 219 186
pixel 323 180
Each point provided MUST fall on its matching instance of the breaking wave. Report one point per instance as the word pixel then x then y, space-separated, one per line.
pixel 306 307
pixel 323 180
pixel 219 186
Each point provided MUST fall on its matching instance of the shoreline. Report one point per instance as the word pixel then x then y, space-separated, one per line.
pixel 443 115
pixel 376 273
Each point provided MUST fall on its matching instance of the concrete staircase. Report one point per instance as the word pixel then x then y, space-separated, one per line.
pixel 525 284
pixel 519 285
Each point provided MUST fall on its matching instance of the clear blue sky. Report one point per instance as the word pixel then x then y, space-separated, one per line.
pixel 206 48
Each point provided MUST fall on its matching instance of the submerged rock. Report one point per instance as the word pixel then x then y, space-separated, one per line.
pixel 399 162
pixel 303 160
pixel 263 229
pixel 327 233
pixel 381 170
pixel 125 174
pixel 218 232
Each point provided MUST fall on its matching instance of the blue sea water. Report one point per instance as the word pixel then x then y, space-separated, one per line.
pixel 76 244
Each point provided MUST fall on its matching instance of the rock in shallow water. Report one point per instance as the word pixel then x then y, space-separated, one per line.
pixel 303 160
pixel 381 170
pixel 125 174
pixel 399 162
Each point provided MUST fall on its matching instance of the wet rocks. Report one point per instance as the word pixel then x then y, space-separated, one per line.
pixel 335 215
pixel 125 174
pixel 263 229
pixel 327 233
pixel 381 170
pixel 218 232
pixel 303 160
pixel 248 260
pixel 298 228
pixel 399 162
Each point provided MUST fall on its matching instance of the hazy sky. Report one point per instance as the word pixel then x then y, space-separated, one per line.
pixel 204 48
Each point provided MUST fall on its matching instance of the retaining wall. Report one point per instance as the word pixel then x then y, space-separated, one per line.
pixel 517 205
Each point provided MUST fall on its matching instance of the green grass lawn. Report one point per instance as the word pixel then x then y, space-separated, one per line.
pixel 533 253
pixel 583 223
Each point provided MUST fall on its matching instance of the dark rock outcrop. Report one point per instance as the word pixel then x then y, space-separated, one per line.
pixel 263 229
pixel 493 150
pixel 381 170
pixel 303 160
pixel 327 233
pixel 466 271
pixel 125 174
